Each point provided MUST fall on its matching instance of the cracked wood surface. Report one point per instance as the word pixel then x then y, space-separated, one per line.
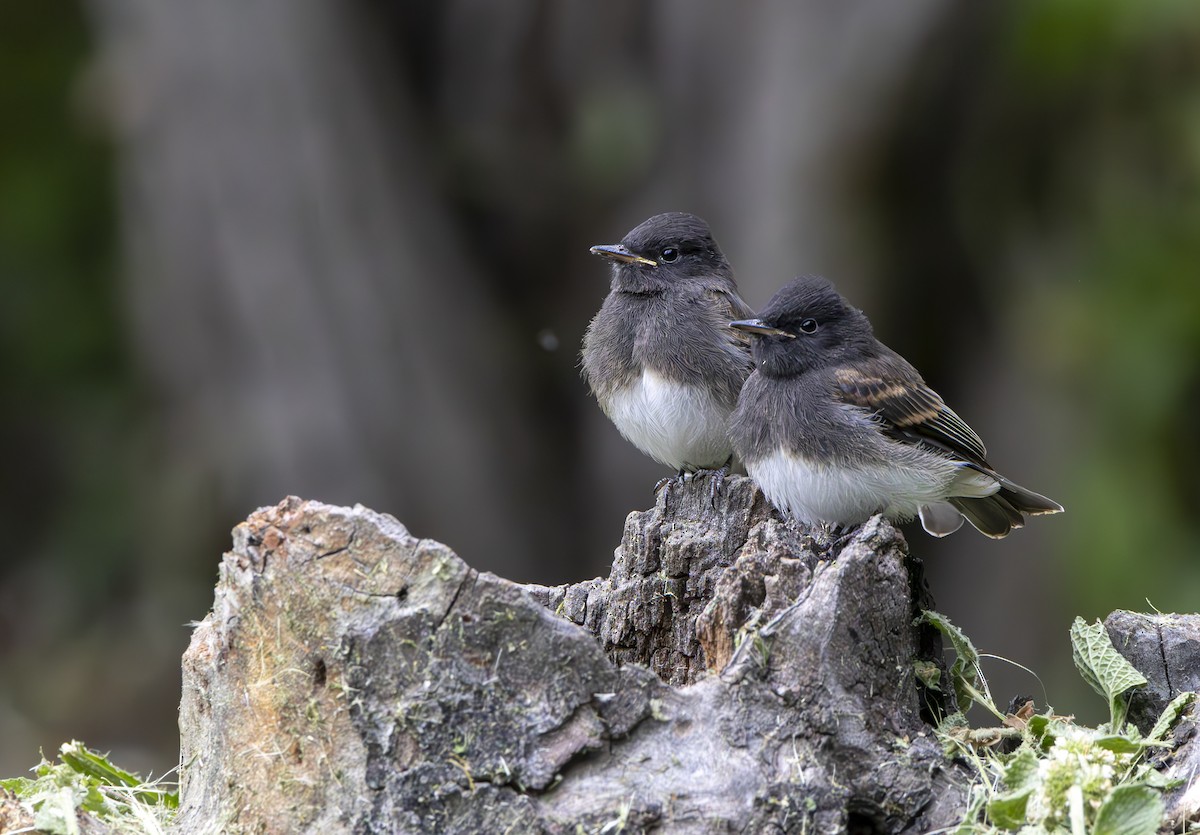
pixel 1165 648
pixel 727 677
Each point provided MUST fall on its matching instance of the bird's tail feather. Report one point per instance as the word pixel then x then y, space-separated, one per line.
pixel 1027 501
pixel 1002 511
pixel 994 516
pixel 940 519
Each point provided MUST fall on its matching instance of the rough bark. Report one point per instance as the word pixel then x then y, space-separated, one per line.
pixel 13 816
pixel 688 576
pixel 1166 650
pixel 354 678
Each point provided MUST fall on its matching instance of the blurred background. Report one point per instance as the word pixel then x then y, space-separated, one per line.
pixel 340 250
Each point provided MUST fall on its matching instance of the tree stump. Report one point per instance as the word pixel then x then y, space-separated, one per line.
pixel 1166 650
pixel 729 676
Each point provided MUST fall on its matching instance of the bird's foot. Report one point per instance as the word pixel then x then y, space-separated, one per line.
pixel 830 538
pixel 678 478
pixel 716 482
pixel 842 534
pixel 716 478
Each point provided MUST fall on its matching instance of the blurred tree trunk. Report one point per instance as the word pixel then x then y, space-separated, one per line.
pixel 300 296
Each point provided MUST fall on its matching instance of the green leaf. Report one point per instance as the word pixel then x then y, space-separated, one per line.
pixel 964 672
pixel 1022 770
pixel 1130 810
pixel 1008 810
pixel 1043 731
pixel 928 674
pixel 1169 717
pixel 56 815
pixel 1119 744
pixel 951 732
pixel 87 781
pixel 969 825
pixel 1098 661
pixel 97 770
pixel 1038 724
pixel 91 764
pixel 19 786
pixel 1105 669
pixel 1152 777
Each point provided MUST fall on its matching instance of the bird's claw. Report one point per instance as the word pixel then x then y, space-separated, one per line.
pixel 716 482
pixel 680 477
pixel 841 536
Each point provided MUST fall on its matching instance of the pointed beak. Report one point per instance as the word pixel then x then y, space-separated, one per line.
pixel 758 326
pixel 621 253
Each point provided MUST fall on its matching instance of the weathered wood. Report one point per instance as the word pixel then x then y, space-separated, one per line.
pixel 13 816
pixel 354 678
pixel 1166 650
pixel 672 601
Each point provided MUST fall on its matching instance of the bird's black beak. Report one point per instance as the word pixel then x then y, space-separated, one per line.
pixel 758 326
pixel 621 253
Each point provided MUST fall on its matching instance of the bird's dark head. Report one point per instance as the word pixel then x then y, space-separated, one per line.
pixel 806 325
pixel 666 250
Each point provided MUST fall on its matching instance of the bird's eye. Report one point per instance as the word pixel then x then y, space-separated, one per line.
pixel 808 325
pixel 669 254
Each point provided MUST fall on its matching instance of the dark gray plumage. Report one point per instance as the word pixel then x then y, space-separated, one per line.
pixel 659 356
pixel 835 426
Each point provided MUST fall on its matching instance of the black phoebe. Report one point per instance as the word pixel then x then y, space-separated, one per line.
pixel 835 427
pixel 659 356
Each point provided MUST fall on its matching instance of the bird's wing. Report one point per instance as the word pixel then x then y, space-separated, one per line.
pixel 911 411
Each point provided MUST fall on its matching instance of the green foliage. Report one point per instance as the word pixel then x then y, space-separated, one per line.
pixel 1105 669
pixel 84 780
pixel 1130 810
pixel 969 684
pixel 1063 777
pixel 1096 198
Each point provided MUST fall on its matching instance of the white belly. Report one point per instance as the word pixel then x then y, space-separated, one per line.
pixel 684 427
pixel 816 493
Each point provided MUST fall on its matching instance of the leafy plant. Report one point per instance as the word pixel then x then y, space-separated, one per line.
pixel 1052 775
pixel 86 780
pixel 969 683
pixel 1105 669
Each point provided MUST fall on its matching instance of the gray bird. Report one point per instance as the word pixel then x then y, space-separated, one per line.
pixel 835 427
pixel 659 356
